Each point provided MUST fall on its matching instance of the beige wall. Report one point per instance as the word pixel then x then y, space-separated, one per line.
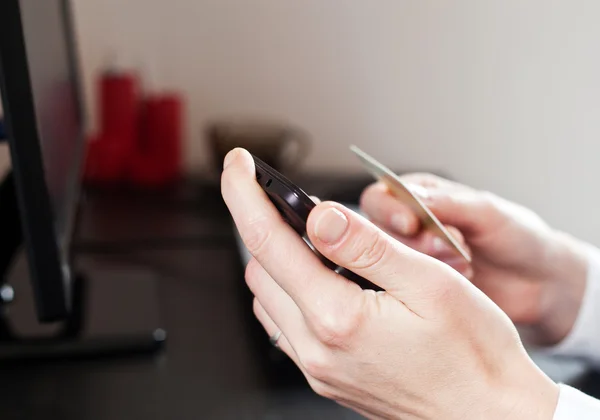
pixel 502 95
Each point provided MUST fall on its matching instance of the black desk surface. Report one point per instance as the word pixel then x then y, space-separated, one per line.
pixel 217 363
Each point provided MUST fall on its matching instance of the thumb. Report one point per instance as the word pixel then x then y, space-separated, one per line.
pixel 353 242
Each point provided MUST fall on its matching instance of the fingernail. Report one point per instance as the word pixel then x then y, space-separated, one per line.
pixel 439 245
pixel 469 272
pixel 230 157
pixel 399 223
pixel 331 226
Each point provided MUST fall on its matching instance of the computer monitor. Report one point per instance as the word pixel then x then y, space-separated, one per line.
pixel 44 124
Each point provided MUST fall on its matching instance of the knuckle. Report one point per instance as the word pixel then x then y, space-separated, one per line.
pixel 322 390
pixel 371 196
pixel 368 254
pixel 369 192
pixel 338 328
pixel 488 200
pixel 257 235
pixel 252 273
pixel 488 207
pixel 318 365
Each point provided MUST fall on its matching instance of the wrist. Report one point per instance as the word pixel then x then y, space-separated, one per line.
pixel 531 397
pixel 563 289
pixel 522 391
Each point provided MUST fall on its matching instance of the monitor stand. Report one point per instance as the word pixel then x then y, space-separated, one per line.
pixel 114 311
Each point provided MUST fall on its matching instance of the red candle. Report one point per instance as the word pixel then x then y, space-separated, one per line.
pixel 158 159
pixel 119 108
pixel 106 161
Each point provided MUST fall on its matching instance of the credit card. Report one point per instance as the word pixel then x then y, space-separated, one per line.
pixel 409 199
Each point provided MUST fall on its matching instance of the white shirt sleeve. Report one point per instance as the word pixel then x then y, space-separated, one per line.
pixel 584 343
pixel 584 340
pixel 575 405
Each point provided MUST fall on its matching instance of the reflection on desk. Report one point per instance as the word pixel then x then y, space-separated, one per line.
pixel 4 159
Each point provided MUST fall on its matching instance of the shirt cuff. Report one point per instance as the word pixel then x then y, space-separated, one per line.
pixel 575 405
pixel 583 342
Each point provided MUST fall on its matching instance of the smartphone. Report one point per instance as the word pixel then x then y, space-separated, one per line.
pixel 294 206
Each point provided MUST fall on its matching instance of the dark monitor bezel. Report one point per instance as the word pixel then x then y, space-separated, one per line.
pixel 47 257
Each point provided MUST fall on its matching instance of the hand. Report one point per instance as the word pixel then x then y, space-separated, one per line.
pixel 535 274
pixel 431 347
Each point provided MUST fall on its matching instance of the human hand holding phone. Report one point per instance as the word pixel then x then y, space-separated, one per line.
pixel 429 346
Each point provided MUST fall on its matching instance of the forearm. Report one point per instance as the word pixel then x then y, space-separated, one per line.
pixel 572 321
pixel 575 317
pixel 568 266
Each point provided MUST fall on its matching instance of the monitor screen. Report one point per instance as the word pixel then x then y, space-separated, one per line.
pixel 47 34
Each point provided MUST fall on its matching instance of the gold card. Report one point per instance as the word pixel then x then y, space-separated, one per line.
pixel 408 198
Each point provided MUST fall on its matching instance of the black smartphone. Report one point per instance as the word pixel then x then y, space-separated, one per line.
pixel 295 205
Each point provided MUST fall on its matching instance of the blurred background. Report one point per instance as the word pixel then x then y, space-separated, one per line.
pixel 500 95
pixel 503 96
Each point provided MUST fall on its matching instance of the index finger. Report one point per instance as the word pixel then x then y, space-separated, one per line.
pixel 276 246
